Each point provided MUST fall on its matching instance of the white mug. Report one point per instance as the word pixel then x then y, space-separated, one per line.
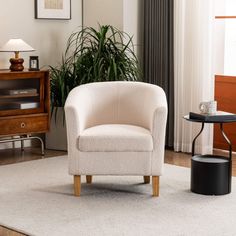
pixel 208 107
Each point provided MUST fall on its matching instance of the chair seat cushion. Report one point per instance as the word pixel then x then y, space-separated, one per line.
pixel 115 138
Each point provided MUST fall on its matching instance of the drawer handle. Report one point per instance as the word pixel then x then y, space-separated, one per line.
pixel 22 125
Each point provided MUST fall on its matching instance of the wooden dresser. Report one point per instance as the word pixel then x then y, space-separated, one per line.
pixel 24 104
pixel 225 95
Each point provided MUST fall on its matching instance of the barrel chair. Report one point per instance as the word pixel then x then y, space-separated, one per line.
pixel 116 128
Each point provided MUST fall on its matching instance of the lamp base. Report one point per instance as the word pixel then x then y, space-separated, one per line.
pixel 16 64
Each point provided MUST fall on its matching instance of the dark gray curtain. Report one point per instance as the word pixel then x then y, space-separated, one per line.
pixel 159 53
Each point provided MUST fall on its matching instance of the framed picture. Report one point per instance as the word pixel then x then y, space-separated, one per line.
pixel 53 9
pixel 33 63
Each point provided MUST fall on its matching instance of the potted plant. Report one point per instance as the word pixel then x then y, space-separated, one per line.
pixel 91 55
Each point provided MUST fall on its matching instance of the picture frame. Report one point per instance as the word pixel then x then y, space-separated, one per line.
pixel 33 63
pixel 53 9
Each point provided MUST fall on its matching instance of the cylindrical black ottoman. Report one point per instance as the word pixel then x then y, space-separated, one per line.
pixel 210 175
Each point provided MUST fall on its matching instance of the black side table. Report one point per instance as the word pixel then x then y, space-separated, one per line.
pixel 211 174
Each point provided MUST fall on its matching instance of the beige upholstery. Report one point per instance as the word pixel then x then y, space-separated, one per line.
pixel 116 128
pixel 115 138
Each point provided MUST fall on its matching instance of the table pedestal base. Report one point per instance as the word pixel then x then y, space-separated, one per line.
pixel 210 175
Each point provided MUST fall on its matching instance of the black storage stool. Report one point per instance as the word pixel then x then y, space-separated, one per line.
pixel 210 175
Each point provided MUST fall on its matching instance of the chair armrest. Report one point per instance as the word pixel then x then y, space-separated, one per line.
pixel 75 113
pixel 158 133
pixel 72 123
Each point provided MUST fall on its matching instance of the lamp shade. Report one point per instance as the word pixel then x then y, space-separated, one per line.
pixel 16 45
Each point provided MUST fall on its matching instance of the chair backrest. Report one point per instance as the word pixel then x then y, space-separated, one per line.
pixel 120 102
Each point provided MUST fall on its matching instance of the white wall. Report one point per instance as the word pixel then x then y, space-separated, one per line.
pixel 230 39
pixel 103 12
pixel 218 38
pixel 133 23
pixel 48 37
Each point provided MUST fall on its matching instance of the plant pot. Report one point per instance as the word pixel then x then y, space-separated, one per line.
pixel 56 138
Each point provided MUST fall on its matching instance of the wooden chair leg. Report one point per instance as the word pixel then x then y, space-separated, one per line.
pixel 77 185
pixel 146 179
pixel 89 179
pixel 155 186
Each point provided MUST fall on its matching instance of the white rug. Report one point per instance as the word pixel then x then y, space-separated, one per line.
pixel 37 198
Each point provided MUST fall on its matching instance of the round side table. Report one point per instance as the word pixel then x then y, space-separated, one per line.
pixel 211 174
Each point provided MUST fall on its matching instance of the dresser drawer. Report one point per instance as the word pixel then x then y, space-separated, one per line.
pixel 24 125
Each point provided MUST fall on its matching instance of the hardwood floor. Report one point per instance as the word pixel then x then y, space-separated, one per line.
pixel 14 156
pixel 11 156
pixel 183 159
pixel 8 232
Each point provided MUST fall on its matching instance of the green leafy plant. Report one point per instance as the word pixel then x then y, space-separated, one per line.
pixel 91 55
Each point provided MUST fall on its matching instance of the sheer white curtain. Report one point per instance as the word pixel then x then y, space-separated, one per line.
pixel 194 80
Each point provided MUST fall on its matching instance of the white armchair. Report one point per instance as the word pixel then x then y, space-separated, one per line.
pixel 116 128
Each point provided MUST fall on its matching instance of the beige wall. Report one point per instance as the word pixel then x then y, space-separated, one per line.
pixel 48 37
pixel 103 12
pixel 133 23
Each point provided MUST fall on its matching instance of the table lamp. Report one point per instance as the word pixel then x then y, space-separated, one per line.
pixel 16 45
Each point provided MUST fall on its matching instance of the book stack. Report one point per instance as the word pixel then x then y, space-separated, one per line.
pixel 219 116
pixel 27 105
pixel 18 105
pixel 18 91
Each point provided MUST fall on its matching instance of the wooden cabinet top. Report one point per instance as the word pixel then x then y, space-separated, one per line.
pixel 225 78
pixel 6 71
pixel 7 74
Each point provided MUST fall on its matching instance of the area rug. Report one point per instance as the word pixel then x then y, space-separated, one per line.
pixel 37 198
